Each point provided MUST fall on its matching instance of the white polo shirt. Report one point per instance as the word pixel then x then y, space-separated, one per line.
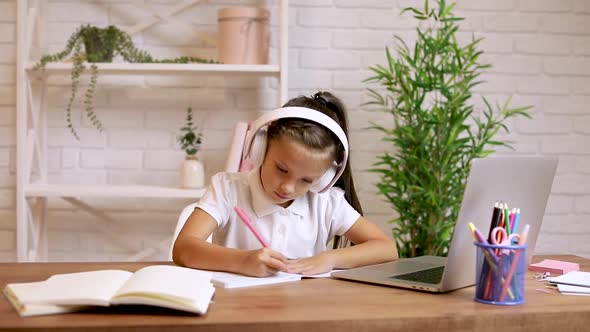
pixel 301 230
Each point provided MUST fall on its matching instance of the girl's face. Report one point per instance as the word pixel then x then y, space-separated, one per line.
pixel 290 168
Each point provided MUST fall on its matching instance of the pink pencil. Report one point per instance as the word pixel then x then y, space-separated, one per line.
pixel 248 223
pixel 516 257
pixel 512 215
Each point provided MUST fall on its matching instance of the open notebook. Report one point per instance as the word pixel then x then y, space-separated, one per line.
pixel 164 286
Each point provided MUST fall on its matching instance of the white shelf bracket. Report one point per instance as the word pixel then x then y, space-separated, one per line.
pixel 40 228
pixel 283 51
pixel 31 22
pixel 33 140
pixel 32 226
pixel 33 108
pixel 29 155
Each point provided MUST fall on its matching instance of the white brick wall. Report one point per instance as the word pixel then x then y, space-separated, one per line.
pixel 540 50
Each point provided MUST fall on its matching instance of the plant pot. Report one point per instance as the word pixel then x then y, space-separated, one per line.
pixel 193 173
pixel 98 44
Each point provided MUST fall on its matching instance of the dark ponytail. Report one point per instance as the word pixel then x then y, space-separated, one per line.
pixel 330 105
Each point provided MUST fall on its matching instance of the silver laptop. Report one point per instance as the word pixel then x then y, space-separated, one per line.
pixel 521 182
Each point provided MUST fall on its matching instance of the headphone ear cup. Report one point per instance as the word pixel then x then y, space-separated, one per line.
pixel 325 180
pixel 258 148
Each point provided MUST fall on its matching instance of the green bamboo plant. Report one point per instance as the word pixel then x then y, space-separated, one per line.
pixel 100 45
pixel 436 130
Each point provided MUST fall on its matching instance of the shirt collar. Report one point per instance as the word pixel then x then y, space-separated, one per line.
pixel 263 205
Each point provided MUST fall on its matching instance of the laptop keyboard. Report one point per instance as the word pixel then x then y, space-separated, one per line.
pixel 429 276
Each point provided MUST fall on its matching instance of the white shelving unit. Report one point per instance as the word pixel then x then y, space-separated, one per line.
pixel 33 187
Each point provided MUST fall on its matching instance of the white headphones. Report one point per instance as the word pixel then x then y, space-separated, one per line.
pixel 256 140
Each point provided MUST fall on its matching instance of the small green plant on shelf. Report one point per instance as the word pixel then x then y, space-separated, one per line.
pixel 190 138
pixel 93 45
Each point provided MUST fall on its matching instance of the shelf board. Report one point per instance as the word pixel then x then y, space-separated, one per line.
pixel 62 68
pixel 133 191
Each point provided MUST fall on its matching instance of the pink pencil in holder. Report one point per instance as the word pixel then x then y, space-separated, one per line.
pixel 514 264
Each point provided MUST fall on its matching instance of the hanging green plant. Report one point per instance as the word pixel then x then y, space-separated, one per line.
pixel 100 45
pixel 435 130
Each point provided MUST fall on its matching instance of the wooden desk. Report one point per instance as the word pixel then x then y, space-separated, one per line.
pixel 312 305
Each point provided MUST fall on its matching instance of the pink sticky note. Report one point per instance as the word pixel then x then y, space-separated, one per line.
pixel 554 266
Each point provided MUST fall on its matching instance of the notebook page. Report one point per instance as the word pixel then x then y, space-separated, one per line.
pixel 576 278
pixel 82 288
pixel 574 290
pixel 322 275
pixel 168 281
pixel 18 291
pixel 232 280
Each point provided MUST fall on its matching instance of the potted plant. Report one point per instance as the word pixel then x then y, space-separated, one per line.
pixel 93 45
pixel 190 140
pixel 436 130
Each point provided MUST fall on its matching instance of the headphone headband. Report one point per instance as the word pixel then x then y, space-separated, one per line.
pixel 300 113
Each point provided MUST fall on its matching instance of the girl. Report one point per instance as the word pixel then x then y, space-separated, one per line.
pixel 287 196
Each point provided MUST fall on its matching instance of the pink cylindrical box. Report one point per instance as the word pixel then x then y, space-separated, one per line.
pixel 243 35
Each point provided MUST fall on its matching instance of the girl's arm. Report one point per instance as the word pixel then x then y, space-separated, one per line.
pixel 191 249
pixel 372 246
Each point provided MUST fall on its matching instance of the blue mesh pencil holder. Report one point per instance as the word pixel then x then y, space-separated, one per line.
pixel 500 274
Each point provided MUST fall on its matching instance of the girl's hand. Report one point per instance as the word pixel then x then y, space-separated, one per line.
pixel 320 263
pixel 264 262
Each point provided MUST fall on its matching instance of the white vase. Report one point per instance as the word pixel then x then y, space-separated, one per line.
pixel 193 173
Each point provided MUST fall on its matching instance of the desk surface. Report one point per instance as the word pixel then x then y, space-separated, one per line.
pixel 311 305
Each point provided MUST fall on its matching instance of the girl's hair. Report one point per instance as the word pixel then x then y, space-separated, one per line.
pixel 319 138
